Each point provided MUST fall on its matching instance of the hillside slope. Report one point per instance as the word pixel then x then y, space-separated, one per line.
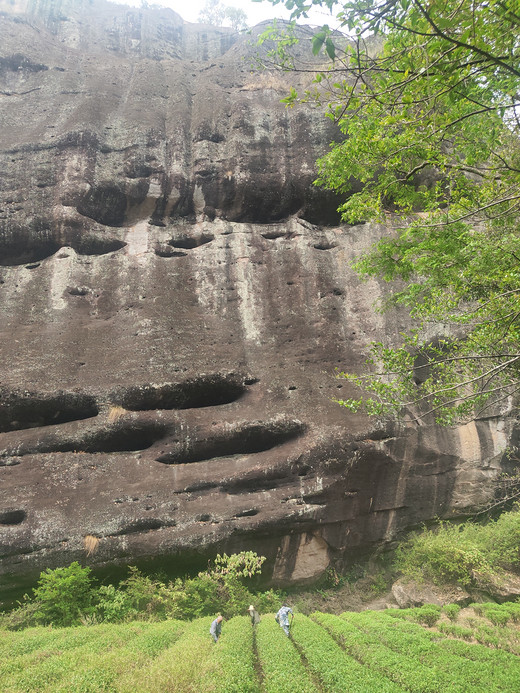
pixel 385 652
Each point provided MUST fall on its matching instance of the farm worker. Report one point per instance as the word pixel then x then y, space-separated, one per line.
pixel 282 618
pixel 216 628
pixel 255 616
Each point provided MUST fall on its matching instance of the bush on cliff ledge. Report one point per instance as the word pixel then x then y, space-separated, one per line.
pixel 465 553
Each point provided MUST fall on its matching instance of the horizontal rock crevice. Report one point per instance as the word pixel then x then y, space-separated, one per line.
pixel 21 410
pixel 12 517
pixel 245 439
pixel 124 437
pixel 202 391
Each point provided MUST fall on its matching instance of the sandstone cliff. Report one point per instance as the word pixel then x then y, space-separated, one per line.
pixel 176 295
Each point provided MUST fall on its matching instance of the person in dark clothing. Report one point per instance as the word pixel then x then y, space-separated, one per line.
pixel 216 628
pixel 255 616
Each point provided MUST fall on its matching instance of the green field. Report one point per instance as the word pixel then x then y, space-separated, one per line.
pixel 368 652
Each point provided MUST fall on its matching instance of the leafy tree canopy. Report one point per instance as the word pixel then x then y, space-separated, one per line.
pixel 214 12
pixel 428 97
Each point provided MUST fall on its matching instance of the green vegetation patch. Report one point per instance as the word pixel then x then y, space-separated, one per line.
pixel 338 670
pixel 177 667
pixel 364 652
pixel 419 653
pixel 474 628
pixel 282 667
pixel 466 554
pixel 22 643
pixel 231 663
pixel 44 669
pixel 103 671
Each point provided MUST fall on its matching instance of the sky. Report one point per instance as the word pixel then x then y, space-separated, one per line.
pixel 256 11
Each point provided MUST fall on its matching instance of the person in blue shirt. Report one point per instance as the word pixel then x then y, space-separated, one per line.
pixel 216 628
pixel 282 618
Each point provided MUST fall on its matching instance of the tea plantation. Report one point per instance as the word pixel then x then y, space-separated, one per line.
pixel 417 650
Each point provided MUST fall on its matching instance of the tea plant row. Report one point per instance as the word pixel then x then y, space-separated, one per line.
pixel 359 653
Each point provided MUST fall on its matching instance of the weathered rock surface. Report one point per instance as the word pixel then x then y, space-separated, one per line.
pixel 176 295
pixel 502 587
pixel 408 593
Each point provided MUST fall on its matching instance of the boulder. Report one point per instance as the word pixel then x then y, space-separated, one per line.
pixel 410 593
pixel 502 587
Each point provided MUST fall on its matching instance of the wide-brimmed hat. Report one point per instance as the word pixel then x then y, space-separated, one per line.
pixel 251 608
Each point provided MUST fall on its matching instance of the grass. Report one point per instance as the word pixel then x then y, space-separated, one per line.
pixel 177 667
pixel 423 650
pixel 337 670
pixel 277 657
pixel 232 661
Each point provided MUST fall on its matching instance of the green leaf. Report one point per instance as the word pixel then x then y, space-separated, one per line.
pixel 317 42
pixel 330 48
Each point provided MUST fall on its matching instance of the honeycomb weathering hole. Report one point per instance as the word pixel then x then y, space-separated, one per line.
pixel 29 410
pixel 324 245
pixel 12 517
pixel 190 242
pixel 105 203
pixel 27 250
pixel 240 486
pixel 242 440
pixel 128 437
pixel 125 437
pixel 92 245
pixel 32 250
pixel 200 392
pixel 273 235
pixel 247 513
pixel 144 525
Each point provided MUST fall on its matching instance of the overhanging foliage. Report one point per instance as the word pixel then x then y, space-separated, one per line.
pixel 430 115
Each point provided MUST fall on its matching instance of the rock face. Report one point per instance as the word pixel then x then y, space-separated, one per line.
pixel 176 295
pixel 500 588
pixel 409 594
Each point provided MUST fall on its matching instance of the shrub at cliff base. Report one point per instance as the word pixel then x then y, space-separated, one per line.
pixel 63 595
pixel 69 596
